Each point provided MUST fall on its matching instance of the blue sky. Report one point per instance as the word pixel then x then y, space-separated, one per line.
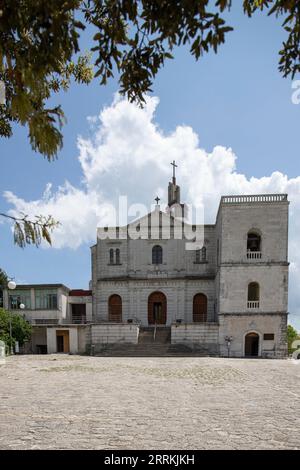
pixel 235 99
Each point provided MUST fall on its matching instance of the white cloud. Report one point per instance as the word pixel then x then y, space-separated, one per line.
pixel 130 155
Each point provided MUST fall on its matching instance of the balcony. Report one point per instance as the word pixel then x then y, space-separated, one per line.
pixel 253 198
pixel 253 304
pixel 44 321
pixel 254 255
pixel 78 319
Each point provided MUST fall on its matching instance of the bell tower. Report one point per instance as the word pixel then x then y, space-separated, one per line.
pixel 175 207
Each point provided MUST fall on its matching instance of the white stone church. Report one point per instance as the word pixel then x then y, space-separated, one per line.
pixel 226 296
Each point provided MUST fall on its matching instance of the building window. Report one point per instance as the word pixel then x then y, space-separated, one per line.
pixel 115 309
pixel 269 336
pixel 46 299
pixel 118 256
pixel 200 308
pixel 253 295
pixel 157 255
pixel 253 245
pixel 200 255
pixel 19 297
pixel 114 256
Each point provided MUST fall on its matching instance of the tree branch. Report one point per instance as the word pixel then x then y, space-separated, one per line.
pixel 32 232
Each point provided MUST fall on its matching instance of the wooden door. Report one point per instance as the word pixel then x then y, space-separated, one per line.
pixel 252 344
pixel 157 309
pixel 115 309
pixel 62 341
pixel 200 308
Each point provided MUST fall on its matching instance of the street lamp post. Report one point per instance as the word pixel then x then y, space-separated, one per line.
pixel 11 286
pixel 228 340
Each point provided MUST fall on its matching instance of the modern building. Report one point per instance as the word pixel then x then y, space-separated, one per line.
pixel 58 315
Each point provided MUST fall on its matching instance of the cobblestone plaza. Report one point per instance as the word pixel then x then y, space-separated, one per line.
pixel 76 402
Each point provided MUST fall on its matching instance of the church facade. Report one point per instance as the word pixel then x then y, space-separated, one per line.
pixel 227 295
pixel 219 289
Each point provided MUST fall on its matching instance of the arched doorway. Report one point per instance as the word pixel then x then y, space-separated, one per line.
pixel 200 308
pixel 115 308
pixel 251 344
pixel 157 309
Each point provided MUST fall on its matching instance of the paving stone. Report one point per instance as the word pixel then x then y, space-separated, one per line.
pixel 147 403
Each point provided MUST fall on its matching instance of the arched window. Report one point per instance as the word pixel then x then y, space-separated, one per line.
pixel 253 295
pixel 200 308
pixel 115 308
pixel 111 256
pixel 117 256
pixel 157 255
pixel 253 243
pixel 198 256
pixel 203 254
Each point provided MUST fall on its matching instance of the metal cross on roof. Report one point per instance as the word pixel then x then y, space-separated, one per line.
pixel 157 199
pixel 174 166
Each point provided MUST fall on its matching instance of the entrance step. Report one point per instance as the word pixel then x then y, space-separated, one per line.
pixel 149 350
pixel 150 346
pixel 161 335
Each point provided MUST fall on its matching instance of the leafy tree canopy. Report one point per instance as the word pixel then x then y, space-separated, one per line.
pixel 131 38
pixel 21 329
pixel 292 335
pixel 3 279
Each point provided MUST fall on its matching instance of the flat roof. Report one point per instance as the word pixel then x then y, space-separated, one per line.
pixel 28 286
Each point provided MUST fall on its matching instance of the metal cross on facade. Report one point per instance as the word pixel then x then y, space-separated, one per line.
pixel 174 166
pixel 157 199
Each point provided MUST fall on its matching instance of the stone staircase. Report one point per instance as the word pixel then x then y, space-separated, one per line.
pixel 150 346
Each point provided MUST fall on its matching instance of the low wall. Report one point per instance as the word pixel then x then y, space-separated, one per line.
pixel 113 333
pixel 198 336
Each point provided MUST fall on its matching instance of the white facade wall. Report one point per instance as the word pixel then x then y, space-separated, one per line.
pixel 136 277
pixel 42 315
pixel 269 219
pixel 197 336
pixel 234 281
pixel 236 271
pixel 237 326
pixel 136 258
pixel 110 333
pixel 51 339
pixel 135 294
